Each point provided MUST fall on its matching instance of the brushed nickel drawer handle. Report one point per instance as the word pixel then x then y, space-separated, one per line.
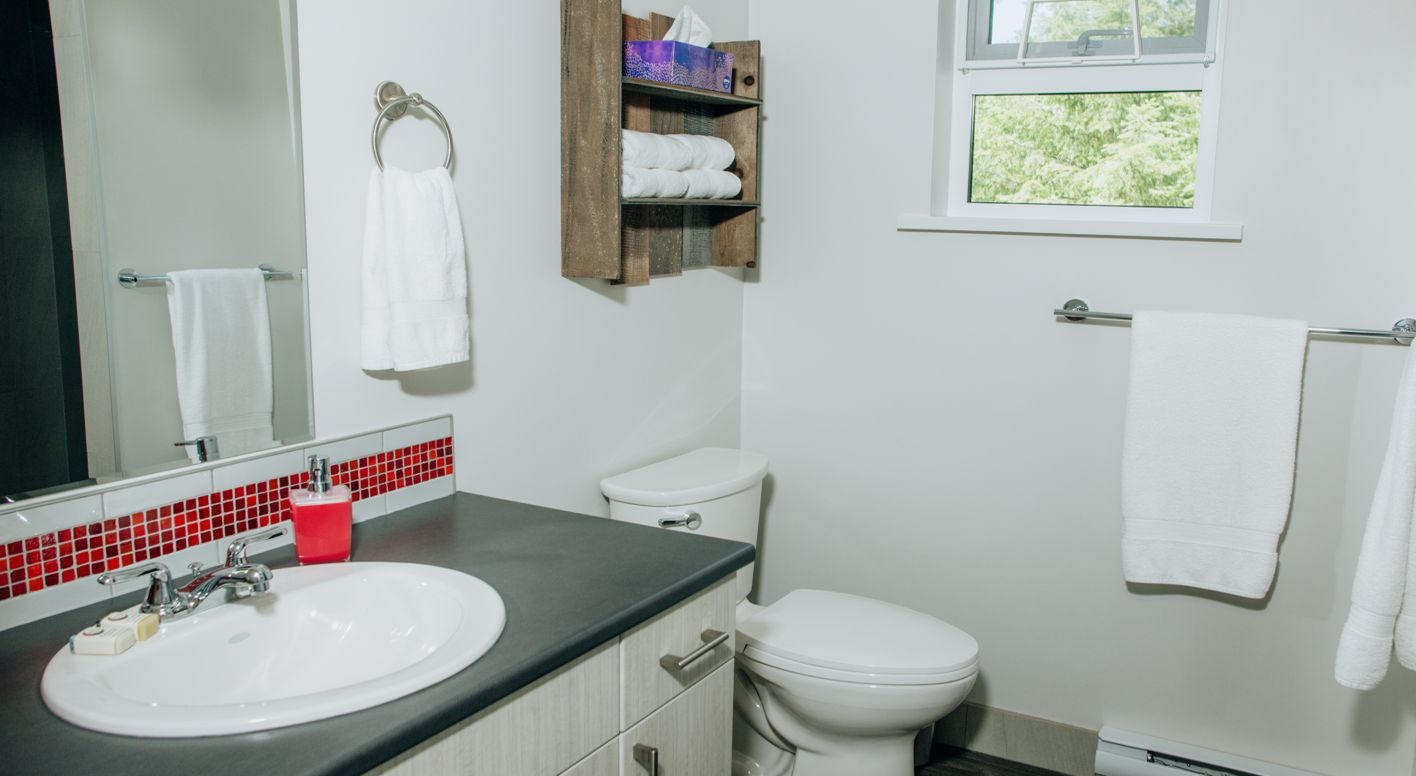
pixel 711 638
pixel 647 756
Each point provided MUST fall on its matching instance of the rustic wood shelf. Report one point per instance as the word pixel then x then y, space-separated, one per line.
pixel 707 202
pixel 689 93
pixel 630 240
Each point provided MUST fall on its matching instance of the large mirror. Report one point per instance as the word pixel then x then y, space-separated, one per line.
pixel 161 138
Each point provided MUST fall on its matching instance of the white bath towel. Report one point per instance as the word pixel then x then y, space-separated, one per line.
pixel 414 272
pixel 1384 565
pixel 636 182
pixel 221 338
pixel 712 184
pixel 1211 434
pixel 675 152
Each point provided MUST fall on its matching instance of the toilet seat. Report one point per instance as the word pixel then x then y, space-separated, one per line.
pixel 849 638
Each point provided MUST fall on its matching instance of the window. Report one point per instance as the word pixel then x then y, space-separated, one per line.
pixel 1095 111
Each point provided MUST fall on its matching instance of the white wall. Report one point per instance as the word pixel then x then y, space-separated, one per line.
pixel 938 440
pixel 569 381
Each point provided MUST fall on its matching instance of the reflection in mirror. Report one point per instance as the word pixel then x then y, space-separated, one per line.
pixel 160 137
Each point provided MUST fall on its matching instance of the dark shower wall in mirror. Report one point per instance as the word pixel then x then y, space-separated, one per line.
pixel 41 390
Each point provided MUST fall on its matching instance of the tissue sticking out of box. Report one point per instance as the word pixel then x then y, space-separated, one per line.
pixel 689 28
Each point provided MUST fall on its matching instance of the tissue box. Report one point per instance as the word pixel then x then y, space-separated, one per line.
pixel 671 62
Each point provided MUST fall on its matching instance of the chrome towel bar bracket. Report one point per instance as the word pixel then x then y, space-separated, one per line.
pixel 392 102
pixel 1401 332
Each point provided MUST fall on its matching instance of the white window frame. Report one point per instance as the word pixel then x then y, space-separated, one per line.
pixel 1199 71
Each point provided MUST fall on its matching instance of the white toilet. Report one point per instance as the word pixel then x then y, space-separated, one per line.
pixel 829 684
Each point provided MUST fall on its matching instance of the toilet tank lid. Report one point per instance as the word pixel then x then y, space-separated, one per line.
pixel 702 475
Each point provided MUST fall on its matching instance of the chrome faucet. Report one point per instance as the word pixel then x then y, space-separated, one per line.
pixel 169 602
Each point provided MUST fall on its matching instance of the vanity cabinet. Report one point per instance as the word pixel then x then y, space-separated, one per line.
pixel 616 711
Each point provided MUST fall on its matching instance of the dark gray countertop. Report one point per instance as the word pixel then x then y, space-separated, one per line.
pixel 570 583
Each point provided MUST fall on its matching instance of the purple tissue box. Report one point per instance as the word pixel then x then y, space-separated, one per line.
pixel 671 62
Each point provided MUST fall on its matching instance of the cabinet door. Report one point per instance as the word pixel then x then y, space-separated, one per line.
pixel 701 628
pixel 540 731
pixel 692 735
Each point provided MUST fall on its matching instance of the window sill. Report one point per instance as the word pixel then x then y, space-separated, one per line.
pixel 1157 230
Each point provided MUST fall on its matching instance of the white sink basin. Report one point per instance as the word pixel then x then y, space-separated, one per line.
pixel 326 640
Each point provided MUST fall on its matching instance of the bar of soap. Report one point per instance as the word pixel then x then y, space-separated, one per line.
pixel 143 626
pixel 97 640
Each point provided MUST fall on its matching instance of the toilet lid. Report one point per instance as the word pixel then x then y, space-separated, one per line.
pixel 848 634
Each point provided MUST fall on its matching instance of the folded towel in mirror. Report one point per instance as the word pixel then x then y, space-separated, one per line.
pixel 221 339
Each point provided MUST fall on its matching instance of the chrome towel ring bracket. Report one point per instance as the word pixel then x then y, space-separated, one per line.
pixel 392 103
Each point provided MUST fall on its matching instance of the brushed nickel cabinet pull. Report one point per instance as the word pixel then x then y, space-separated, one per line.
pixel 647 756
pixel 711 638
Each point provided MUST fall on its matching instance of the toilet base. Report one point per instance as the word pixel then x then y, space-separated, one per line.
pixel 876 756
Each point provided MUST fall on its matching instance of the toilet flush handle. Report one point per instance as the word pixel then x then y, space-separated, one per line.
pixel 690 520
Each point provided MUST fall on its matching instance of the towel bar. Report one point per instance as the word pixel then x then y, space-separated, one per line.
pixel 393 102
pixel 129 277
pixel 1401 332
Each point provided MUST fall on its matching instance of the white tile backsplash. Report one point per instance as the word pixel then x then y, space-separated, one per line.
pixel 421 493
pixel 32 521
pixel 82 592
pixel 126 501
pixel 403 436
pixel 348 449
pixel 257 470
pixel 370 508
pixel 113 500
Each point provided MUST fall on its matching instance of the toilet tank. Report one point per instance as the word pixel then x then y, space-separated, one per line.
pixel 722 486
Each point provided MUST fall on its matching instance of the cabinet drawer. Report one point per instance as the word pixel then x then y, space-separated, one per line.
pixel 603 762
pixel 691 736
pixel 539 731
pixel 650 654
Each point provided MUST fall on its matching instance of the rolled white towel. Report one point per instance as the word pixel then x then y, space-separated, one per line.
pixel 695 151
pixel 675 153
pixel 642 149
pixel 672 183
pixel 720 153
pixel 712 184
pixel 640 182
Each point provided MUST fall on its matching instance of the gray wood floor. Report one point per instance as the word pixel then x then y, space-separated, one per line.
pixel 948 761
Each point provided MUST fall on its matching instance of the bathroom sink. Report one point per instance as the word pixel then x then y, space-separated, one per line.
pixel 326 640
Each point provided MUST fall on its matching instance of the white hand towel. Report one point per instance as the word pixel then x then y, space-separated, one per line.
pixel 641 149
pixel 414 272
pixel 694 151
pixel 720 153
pixel 1207 462
pixel 221 338
pixel 712 184
pixel 672 183
pixel 1383 567
pixel 637 182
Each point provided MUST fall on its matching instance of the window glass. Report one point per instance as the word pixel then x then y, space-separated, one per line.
pixel 1115 148
pixel 1064 21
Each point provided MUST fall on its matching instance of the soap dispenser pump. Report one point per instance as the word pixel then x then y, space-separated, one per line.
pixel 323 514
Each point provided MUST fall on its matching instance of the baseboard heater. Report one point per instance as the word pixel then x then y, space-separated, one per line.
pixel 1123 753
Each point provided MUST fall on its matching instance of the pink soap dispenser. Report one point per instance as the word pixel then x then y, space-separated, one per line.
pixel 323 515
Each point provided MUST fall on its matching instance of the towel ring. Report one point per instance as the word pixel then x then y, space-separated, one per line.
pixel 393 102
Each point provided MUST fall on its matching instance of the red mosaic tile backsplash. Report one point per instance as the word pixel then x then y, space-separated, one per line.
pixel 51 559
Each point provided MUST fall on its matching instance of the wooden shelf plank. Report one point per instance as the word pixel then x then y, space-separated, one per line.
pixel 687 93
pixel 667 201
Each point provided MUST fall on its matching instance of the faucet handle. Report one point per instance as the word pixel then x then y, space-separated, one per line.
pixel 162 597
pixel 236 551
